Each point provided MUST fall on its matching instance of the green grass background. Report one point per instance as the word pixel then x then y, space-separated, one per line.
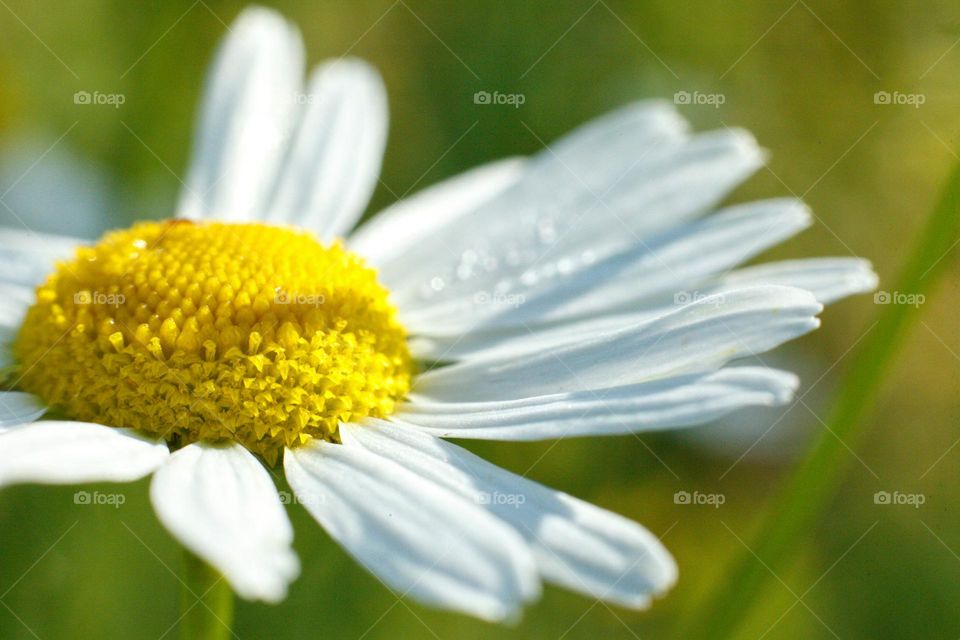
pixel 802 76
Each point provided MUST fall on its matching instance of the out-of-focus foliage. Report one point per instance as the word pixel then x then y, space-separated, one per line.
pixel 803 76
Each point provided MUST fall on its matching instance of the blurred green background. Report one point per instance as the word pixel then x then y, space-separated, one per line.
pixel 802 76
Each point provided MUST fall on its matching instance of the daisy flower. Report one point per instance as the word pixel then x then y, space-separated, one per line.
pixel 582 291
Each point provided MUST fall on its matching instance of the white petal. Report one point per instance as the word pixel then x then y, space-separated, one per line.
pixel 829 279
pixel 17 408
pixel 402 226
pixel 678 401
pixel 28 257
pixel 220 502
pixel 246 116
pixel 698 337
pixel 623 130
pixel 420 539
pixel 576 545
pixel 334 163
pixel 54 452
pixel 623 281
pixel 555 216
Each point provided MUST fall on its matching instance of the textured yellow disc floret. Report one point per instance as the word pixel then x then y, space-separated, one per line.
pixel 215 332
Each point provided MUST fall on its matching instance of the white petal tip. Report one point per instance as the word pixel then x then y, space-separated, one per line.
pixel 664 113
pixel 269 585
pixel 257 19
pixel 259 26
pixel 747 147
pixel 356 66
pixel 663 579
pixel 862 279
pixel 796 213
pixel 785 393
pixel 221 504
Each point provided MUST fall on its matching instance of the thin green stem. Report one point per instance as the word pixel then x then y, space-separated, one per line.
pixel 805 493
pixel 206 602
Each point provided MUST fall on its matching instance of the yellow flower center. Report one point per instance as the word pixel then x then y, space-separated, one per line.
pixel 215 332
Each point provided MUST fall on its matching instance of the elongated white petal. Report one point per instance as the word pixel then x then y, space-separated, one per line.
pixel 221 504
pixel 17 408
pixel 829 279
pixel 678 401
pixel 420 539
pixel 402 226
pixel 28 257
pixel 333 166
pixel 696 338
pixel 54 452
pixel 246 117
pixel 576 545
pixel 623 281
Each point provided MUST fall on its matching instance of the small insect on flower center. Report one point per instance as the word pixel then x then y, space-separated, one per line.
pixel 215 332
